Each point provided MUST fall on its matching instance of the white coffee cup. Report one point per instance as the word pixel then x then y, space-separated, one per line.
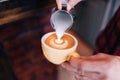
pixel 58 56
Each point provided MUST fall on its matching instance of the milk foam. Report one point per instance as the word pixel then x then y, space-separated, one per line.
pixel 65 43
pixel 59 35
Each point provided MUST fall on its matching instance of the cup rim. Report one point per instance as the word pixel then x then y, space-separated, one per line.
pixel 44 37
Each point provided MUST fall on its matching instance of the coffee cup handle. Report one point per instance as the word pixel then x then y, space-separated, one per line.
pixel 74 54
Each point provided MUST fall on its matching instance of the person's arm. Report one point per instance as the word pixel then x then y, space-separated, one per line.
pixel 98 67
pixel 70 4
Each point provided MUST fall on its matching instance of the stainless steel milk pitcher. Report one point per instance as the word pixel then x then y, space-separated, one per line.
pixel 62 19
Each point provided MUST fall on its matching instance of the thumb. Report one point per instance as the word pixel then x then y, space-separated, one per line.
pixel 75 61
pixel 59 4
pixel 72 3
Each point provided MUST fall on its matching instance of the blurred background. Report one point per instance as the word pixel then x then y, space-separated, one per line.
pixel 24 22
pixel 92 16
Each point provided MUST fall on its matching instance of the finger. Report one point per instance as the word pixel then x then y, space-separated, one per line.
pixel 71 4
pixel 68 67
pixel 103 55
pixel 76 62
pixel 94 66
pixel 87 64
pixel 59 4
pixel 68 7
pixel 95 75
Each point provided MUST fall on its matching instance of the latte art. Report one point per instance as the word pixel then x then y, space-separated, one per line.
pixel 65 43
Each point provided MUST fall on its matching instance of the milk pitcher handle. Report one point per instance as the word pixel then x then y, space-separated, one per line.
pixel 64 4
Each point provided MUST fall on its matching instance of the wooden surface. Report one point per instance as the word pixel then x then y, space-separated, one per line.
pixel 15 14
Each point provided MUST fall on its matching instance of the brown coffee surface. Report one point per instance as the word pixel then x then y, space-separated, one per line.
pixel 66 43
